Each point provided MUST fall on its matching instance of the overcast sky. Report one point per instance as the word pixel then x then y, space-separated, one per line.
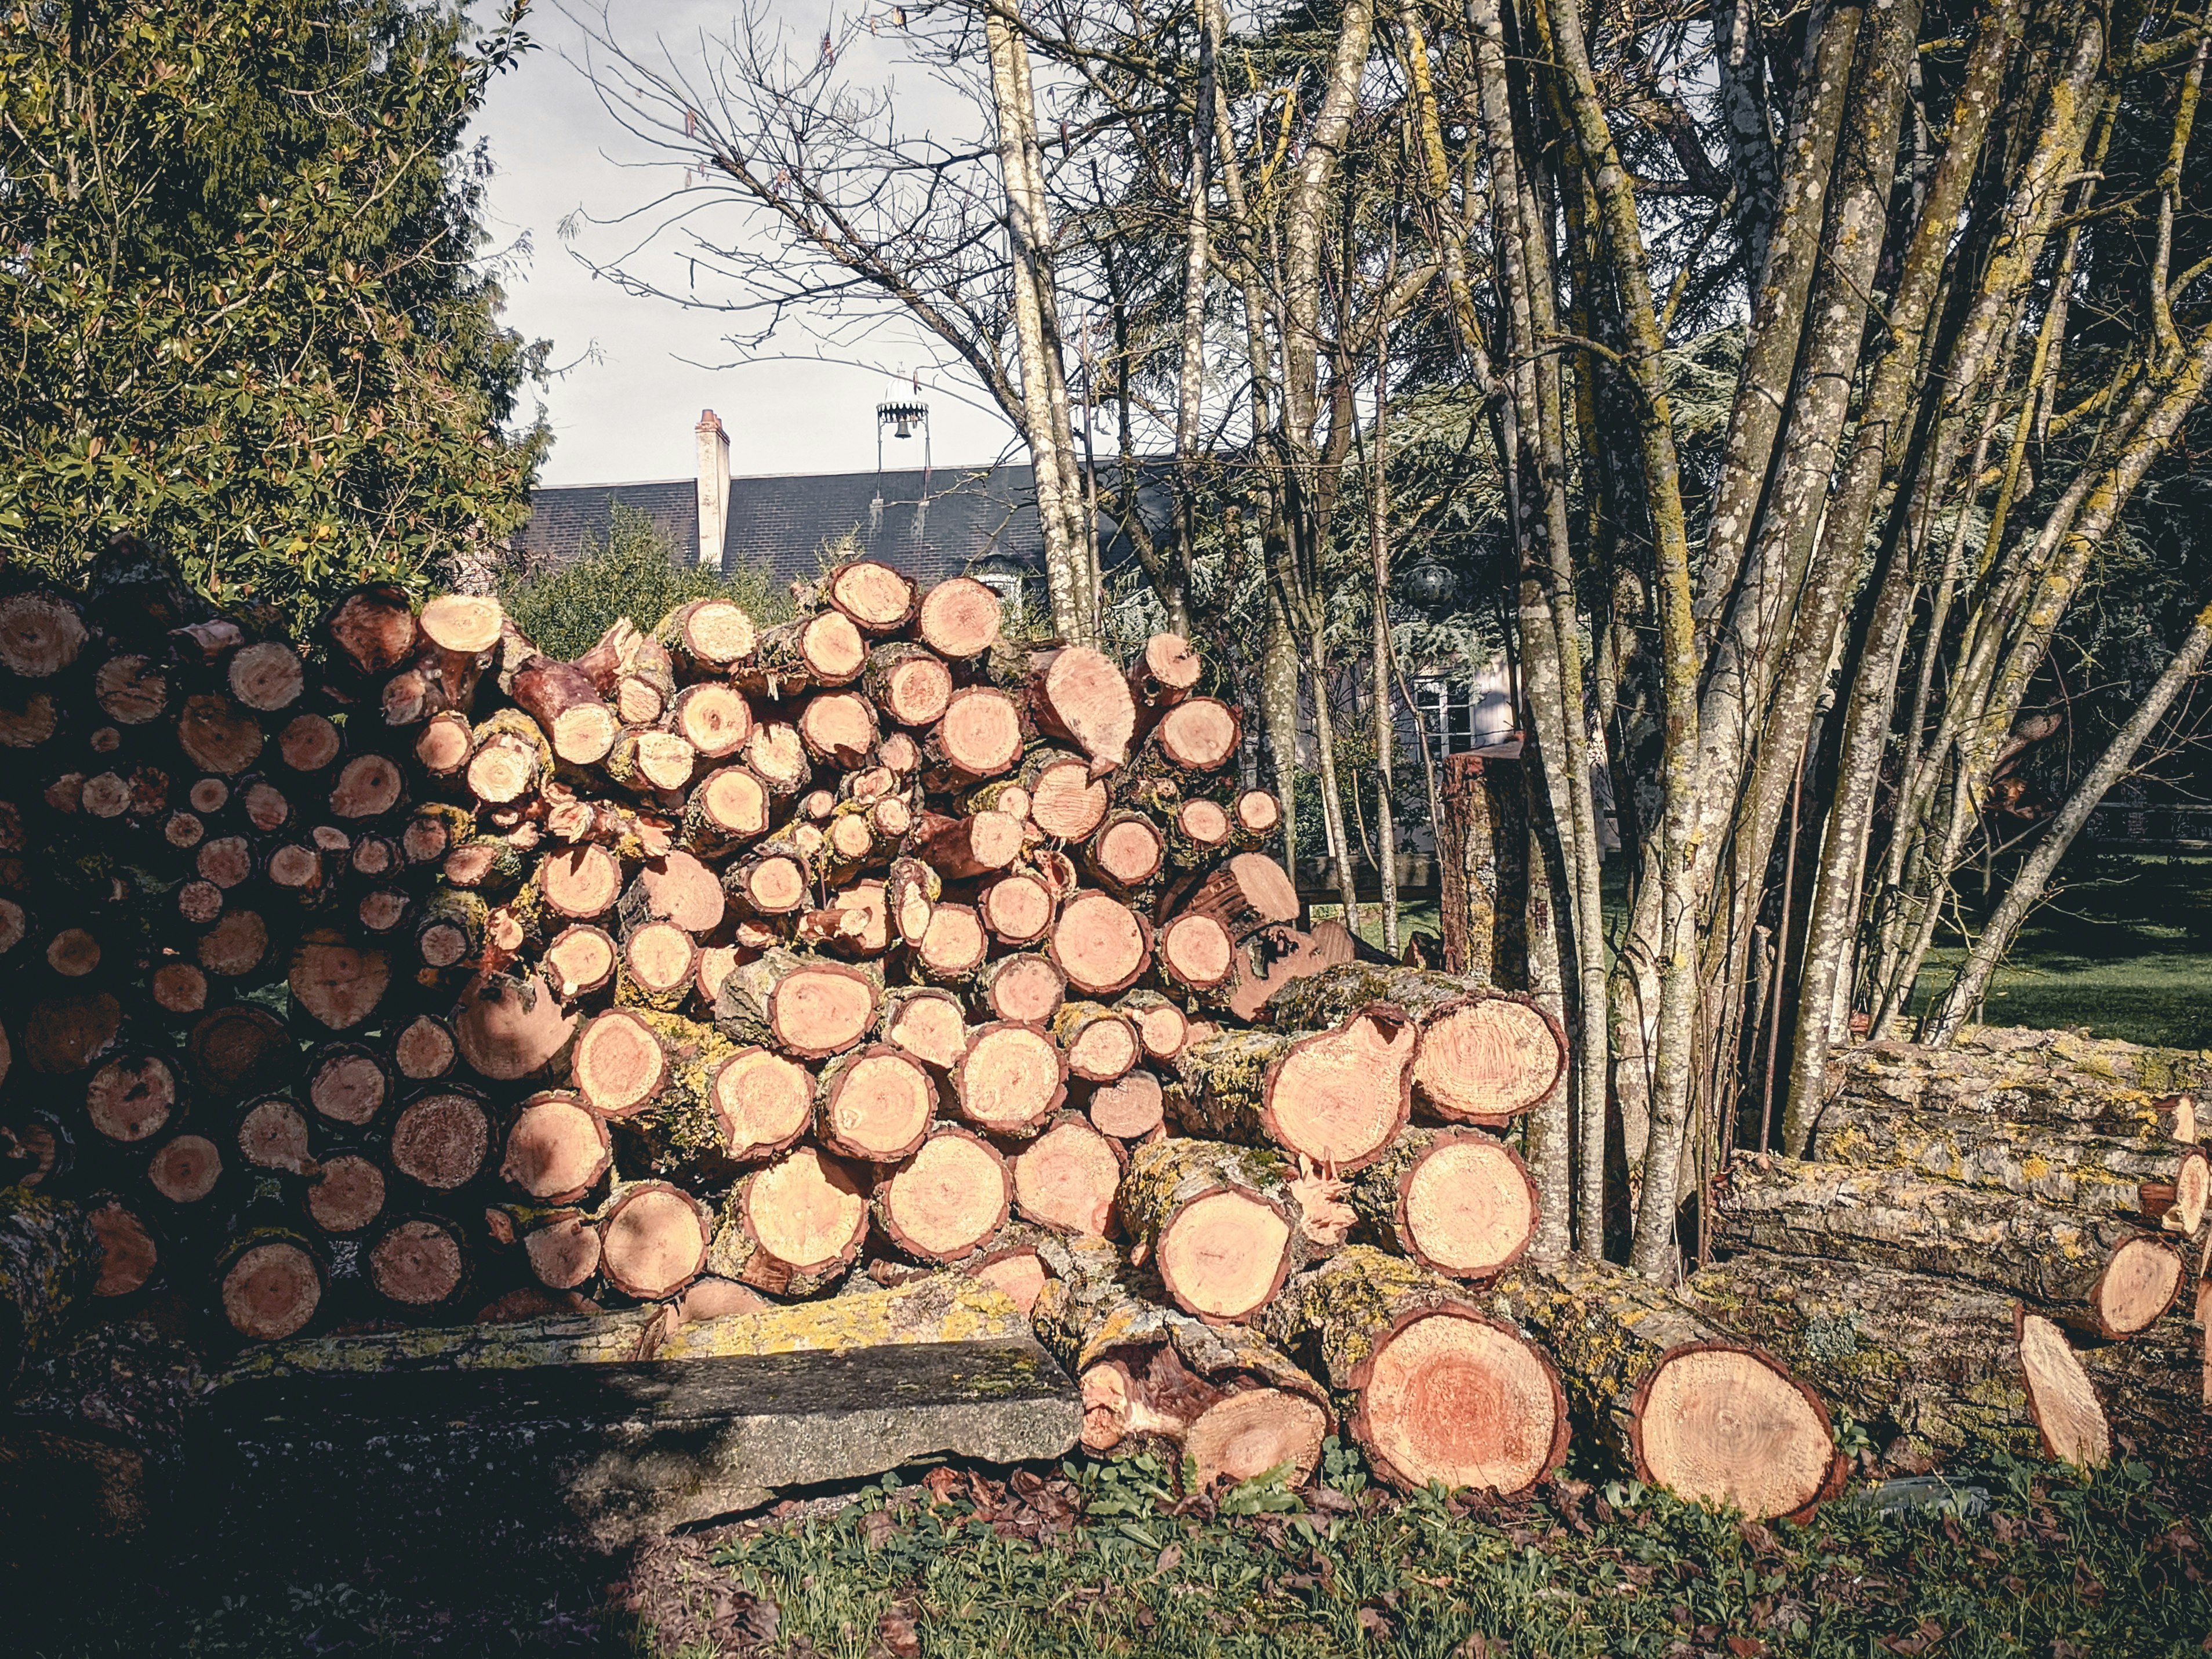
pixel 644 368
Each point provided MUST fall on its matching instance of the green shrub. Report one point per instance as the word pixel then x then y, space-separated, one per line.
pixel 563 612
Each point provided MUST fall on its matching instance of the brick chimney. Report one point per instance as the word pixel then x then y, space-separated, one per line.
pixel 714 449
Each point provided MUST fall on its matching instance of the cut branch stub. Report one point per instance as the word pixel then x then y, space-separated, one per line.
pixel 654 1241
pixel 1011 1078
pixel 762 1101
pixel 958 619
pixel 556 1151
pixel 948 1200
pixel 876 1104
pixel 1436 1389
pixel 1100 945
pixel 620 1064
pixel 1066 1179
pixel 1078 693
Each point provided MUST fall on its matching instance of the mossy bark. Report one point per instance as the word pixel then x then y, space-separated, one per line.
pixel 2056 1078
pixel 1894 1217
pixel 48 1260
pixel 1334 995
pixel 1219 1086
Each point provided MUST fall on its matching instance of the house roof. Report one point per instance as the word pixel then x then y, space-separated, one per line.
pixel 931 524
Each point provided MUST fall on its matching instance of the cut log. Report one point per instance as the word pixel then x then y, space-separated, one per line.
pixel 2178 1206
pixel 709 635
pixel 67 1034
pixel 273 1135
pixel 876 1104
pixel 1079 695
pixel 345 1194
pixel 771 885
pixel 823 649
pixel 1432 1387
pixel 1011 1079
pixel 563 1251
pixel 1128 852
pixel 1065 801
pixel 567 708
pixel 580 961
pixel 930 1024
pixel 442 743
pixel 463 623
pixel 131 690
pixel 792 1228
pixel 441 1140
pixel 958 849
pixel 1220 1396
pixel 1246 894
pixel 1198 831
pixel 1458 1201
pixel 947 1200
pixel 958 619
pixel 425 1049
pixel 776 755
pixel 2068 1416
pixel 336 983
pixel 418 1263
pixel 271 1285
pixel 1102 1042
pixel 1130 1108
pixel 1163 1027
pixel 1165 671
pixel 308 743
pixel 979 738
pixel 804 1006
pixel 909 684
pixel 621 1067
pixel 582 883
pixel 646 760
pixel 508 1029
pixel 653 1240
pixel 348 1085
pixel 953 946
pixel 368 787
pixel 729 807
pixel 236 945
pixel 1100 945
pixel 717 1298
pixel 877 598
pixel 1017 909
pixel 128 1256
pixel 714 718
pixel 762 1102
pixel 40 633
pixel 132 1098
pixel 1199 734
pixel 185 1170
pixel 1933 1364
pixel 1339 1098
pixel 267 676
pixel 1196 953
pixel 910 895
pixel 658 962
pixel 218 736
pixel 2095 1085
pixel 557 1150
pixel 372 630
pixel 1685 1408
pixel 838 728
pixel 1224 1227
pixel 2095 1268
pixel 1066 1179
pixel 1257 816
pixel 233 1051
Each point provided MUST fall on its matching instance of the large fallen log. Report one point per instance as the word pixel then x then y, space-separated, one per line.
pixel 1674 1399
pixel 2090 1266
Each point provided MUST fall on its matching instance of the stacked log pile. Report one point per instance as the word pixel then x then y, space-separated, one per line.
pixel 1998 1245
pixel 422 978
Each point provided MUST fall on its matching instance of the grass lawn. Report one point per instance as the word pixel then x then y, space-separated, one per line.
pixel 1101 1559
pixel 2123 947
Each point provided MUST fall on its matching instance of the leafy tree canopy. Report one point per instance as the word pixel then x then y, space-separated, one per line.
pixel 564 610
pixel 243 318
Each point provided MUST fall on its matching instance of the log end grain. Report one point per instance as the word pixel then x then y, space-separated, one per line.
pixel 1225 1254
pixel 1485 1060
pixel 1451 1396
pixel 271 1291
pixel 654 1241
pixel 1066 1179
pixel 2139 1283
pixel 949 1198
pixel 1714 1422
pixel 1245 1435
pixel 2068 1414
pixel 1467 1208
